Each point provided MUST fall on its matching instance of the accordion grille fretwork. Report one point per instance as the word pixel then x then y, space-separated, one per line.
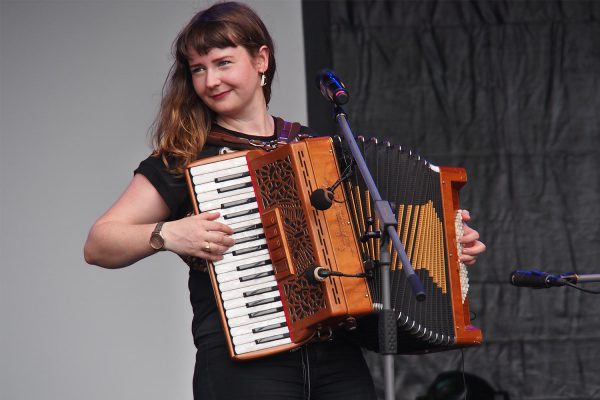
pixel 276 187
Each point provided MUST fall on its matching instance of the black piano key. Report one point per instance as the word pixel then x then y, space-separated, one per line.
pixel 250 238
pixel 259 291
pixel 247 228
pixel 238 203
pixel 234 187
pixel 269 327
pixel 249 250
pixel 263 301
pixel 256 276
pixel 232 177
pixel 272 338
pixel 257 314
pixel 241 213
pixel 253 265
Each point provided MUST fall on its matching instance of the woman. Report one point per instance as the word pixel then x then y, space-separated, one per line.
pixel 221 82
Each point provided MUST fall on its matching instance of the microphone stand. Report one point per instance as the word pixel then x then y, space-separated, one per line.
pixel 387 322
pixel 571 279
pixel 580 278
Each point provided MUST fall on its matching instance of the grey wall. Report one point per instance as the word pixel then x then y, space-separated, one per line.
pixel 80 82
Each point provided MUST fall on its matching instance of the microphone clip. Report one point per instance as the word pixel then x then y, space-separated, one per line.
pixel 322 199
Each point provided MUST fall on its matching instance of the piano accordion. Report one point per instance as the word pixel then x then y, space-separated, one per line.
pixel 264 292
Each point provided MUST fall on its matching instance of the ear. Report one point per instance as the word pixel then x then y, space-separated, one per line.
pixel 262 59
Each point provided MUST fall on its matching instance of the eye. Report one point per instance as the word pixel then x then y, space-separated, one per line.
pixel 197 69
pixel 224 63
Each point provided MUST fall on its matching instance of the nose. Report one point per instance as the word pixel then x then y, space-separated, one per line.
pixel 212 78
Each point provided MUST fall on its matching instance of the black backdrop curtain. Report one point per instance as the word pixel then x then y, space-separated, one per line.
pixel 509 91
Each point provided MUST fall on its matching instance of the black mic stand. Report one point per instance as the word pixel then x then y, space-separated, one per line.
pixel 580 278
pixel 571 279
pixel 387 322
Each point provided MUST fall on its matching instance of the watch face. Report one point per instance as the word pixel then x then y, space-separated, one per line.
pixel 156 242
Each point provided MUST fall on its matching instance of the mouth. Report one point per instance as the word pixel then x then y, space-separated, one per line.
pixel 219 96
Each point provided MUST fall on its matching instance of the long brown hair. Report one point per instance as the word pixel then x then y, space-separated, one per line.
pixel 183 122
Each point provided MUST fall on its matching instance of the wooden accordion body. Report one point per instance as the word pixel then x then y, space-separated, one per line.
pixel 299 237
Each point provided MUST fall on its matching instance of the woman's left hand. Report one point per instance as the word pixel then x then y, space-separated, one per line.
pixel 472 246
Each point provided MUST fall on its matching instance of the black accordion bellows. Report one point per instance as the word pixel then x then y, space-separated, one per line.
pixel 424 199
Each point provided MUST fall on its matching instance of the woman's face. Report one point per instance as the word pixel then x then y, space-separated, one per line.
pixel 228 80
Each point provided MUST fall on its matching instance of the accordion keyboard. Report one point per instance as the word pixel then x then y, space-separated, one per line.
pixel 248 293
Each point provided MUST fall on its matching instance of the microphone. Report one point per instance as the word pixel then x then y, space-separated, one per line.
pixel 322 199
pixel 332 87
pixel 316 274
pixel 535 279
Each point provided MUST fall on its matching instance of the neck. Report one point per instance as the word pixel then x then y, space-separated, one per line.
pixel 258 124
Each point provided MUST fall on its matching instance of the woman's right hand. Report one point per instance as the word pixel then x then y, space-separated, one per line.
pixel 120 237
pixel 199 236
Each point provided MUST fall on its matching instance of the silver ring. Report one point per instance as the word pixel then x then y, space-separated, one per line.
pixel 207 247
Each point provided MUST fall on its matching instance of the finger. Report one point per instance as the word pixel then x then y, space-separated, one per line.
pixel 220 239
pixel 209 251
pixel 469 235
pixel 468 260
pixel 465 214
pixel 218 227
pixel 208 216
pixel 209 256
pixel 217 244
pixel 474 249
pixel 216 250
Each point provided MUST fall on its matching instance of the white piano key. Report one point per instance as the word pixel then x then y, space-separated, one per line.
pixel 221 187
pixel 222 204
pixel 218 166
pixel 233 266
pixel 240 247
pixel 242 275
pixel 244 301
pixel 248 347
pixel 241 311
pixel 246 329
pixel 249 233
pixel 204 194
pixel 201 179
pixel 228 257
pixel 245 319
pixel 243 339
pixel 244 221
pixel 248 291
pixel 236 284
pixel 234 214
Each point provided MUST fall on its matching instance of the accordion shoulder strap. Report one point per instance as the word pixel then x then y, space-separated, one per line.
pixel 222 139
pixel 286 132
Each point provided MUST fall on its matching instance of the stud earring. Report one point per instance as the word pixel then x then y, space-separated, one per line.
pixel 263 79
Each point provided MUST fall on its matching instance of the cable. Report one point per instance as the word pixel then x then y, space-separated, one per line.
pixel 574 286
pixel 466 389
